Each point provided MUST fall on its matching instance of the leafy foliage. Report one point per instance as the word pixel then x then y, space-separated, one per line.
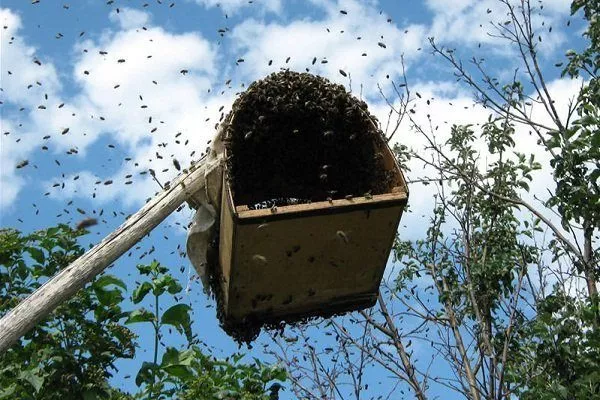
pixel 188 373
pixel 71 354
pixel 558 351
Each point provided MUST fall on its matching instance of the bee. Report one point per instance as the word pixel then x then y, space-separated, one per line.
pixel 23 164
pixel 258 259
pixel 343 236
pixel 86 223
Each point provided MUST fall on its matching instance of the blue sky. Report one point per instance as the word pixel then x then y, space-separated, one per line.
pixel 119 114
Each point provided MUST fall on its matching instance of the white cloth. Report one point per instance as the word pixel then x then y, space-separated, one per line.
pixel 209 201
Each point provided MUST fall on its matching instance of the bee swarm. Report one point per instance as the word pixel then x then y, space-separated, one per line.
pixel 295 138
pixel 298 138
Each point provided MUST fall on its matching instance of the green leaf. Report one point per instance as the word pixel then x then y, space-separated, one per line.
pixel 596 139
pixel 106 280
pixel 143 269
pixel 36 254
pixel 52 231
pixel 178 316
pixel 140 315
pixel 34 379
pixel 108 297
pixel 141 291
pixel 8 393
pixel 94 395
pixel 168 283
pixel 146 373
pixel 524 185
pixel 177 363
pixel 173 356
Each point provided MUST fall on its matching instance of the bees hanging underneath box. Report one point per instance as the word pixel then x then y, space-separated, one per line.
pixel 304 260
pixel 311 200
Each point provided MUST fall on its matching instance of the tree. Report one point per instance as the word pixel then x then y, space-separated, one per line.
pixel 72 353
pixel 484 290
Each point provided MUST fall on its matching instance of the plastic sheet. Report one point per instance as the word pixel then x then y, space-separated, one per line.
pixel 205 221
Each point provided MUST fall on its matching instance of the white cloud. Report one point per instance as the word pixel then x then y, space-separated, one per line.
pixel 129 18
pixel 14 149
pixel 146 66
pixel 233 6
pixel 135 93
pixel 154 102
pixel 469 22
pixel 340 39
pixel 24 82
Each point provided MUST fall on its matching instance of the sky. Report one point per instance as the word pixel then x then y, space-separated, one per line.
pixel 95 92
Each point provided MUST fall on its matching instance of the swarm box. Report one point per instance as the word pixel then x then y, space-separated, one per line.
pixel 307 259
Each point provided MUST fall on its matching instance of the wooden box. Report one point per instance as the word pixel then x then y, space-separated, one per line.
pixel 308 259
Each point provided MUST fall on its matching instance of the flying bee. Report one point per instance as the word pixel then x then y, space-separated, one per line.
pixel 22 164
pixel 86 223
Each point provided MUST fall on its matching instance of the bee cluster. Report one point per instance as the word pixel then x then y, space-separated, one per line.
pixel 282 201
pixel 299 137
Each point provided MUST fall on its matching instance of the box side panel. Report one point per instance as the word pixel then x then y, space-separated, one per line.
pixel 295 265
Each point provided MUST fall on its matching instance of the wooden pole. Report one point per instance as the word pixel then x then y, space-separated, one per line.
pixel 67 282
